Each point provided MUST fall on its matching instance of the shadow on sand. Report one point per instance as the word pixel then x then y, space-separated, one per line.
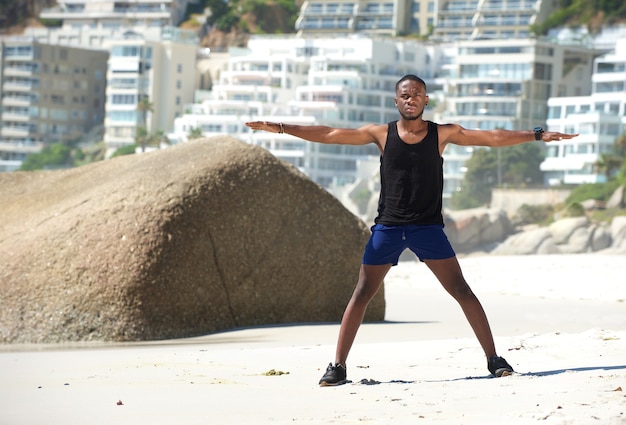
pixel 537 374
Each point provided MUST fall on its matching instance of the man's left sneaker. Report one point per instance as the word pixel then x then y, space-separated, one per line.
pixel 499 367
pixel 335 375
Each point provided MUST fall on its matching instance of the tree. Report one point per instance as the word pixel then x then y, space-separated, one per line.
pixel 124 150
pixel 144 107
pixel 608 164
pixel 194 133
pixel 480 177
pixel 158 138
pixel 516 166
pixel 56 155
pixel 141 138
pixel 620 150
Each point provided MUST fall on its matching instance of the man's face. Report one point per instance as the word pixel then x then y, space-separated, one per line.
pixel 411 99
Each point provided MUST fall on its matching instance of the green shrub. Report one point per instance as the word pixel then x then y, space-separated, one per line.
pixel 533 214
pixel 597 191
pixel 124 150
pixel 574 209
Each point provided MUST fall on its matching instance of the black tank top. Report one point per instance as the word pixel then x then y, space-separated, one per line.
pixel 411 180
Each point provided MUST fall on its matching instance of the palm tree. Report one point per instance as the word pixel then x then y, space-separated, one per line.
pixel 144 106
pixel 159 138
pixel 194 133
pixel 620 144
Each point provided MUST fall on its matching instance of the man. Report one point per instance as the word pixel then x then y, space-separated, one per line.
pixel 409 211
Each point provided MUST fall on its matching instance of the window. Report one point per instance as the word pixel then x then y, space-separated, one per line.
pixel 554 112
pixel 18 51
pixel 123 99
pixel 128 116
pixel 543 71
pixel 125 51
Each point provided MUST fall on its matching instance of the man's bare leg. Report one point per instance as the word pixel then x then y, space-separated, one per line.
pixel 449 273
pixel 370 280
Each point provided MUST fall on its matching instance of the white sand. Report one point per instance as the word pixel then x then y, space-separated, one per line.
pixel 559 320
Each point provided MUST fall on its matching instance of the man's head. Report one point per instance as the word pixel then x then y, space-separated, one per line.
pixel 411 97
pixel 410 77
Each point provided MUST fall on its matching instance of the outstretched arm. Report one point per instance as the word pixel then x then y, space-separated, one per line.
pixel 455 134
pixel 370 133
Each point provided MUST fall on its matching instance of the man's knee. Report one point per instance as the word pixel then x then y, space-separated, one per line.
pixel 462 292
pixel 364 292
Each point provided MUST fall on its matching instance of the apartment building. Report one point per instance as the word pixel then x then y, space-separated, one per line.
pixel 599 118
pixel 341 82
pixel 489 19
pixel 392 18
pixel 49 93
pixel 444 20
pixel 116 14
pixel 89 23
pixel 506 84
pixel 162 72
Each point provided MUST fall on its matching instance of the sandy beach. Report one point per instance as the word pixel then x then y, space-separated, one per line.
pixel 560 320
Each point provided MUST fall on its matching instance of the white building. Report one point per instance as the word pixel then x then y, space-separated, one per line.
pixel 390 17
pixel 489 19
pixel 117 14
pixel 162 71
pixel 600 118
pixel 506 84
pixel 49 94
pixel 90 23
pixel 344 82
pixel 447 20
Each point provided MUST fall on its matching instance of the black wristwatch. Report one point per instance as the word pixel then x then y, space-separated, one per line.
pixel 538 133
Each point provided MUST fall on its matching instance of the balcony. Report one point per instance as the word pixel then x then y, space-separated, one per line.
pixel 19 71
pixel 16 117
pixel 21 147
pixel 19 86
pixel 12 132
pixel 15 100
pixel 136 11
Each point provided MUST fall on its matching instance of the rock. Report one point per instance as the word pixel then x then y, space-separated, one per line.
pixel 593 204
pixel 547 246
pixel 617 198
pixel 618 233
pixel 200 237
pixel 529 242
pixel 472 228
pixel 577 243
pixel 563 229
pixel 600 238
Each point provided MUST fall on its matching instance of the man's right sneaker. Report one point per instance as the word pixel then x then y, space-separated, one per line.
pixel 499 367
pixel 335 375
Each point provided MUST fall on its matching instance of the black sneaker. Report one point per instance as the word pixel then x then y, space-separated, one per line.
pixel 335 375
pixel 499 367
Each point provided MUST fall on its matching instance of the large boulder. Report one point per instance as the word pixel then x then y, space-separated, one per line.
pixel 600 237
pixel 618 233
pixel 568 236
pixel 563 229
pixel 475 228
pixel 617 198
pixel 200 237
pixel 529 242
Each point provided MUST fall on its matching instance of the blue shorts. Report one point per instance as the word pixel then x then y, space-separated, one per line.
pixel 428 242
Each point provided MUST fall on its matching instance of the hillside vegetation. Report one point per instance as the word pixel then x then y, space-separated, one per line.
pixel 592 14
pixel 16 14
pixel 279 16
